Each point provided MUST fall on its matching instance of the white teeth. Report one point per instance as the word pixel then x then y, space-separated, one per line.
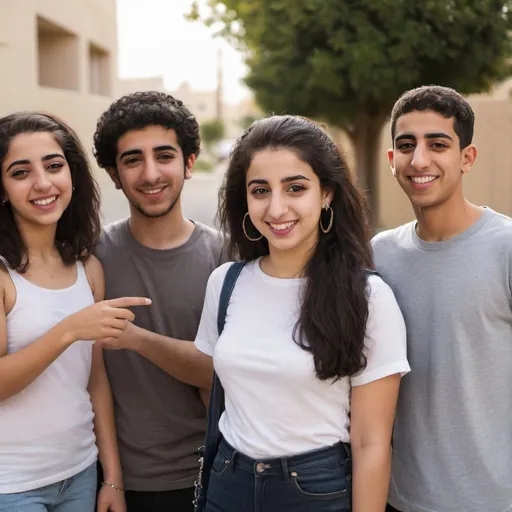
pixel 423 179
pixel 43 202
pixel 282 227
pixel 152 190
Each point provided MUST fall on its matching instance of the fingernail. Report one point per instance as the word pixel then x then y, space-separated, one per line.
pixel 148 301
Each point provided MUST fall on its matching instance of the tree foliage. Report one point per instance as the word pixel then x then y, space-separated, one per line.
pixel 211 132
pixel 347 61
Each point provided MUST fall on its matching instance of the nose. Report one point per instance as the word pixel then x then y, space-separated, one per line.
pixel 43 182
pixel 150 170
pixel 420 159
pixel 278 206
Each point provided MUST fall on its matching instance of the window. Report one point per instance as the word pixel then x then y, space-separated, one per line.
pixel 58 56
pixel 99 70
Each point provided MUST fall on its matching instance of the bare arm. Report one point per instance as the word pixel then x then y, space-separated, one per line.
pixel 179 358
pixel 19 369
pixel 373 411
pixel 101 396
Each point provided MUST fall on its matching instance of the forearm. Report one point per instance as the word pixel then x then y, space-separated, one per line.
pixel 20 369
pixel 370 478
pixel 179 358
pixel 104 422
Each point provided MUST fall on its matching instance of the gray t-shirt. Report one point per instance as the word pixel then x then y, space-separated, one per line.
pixel 161 421
pixel 452 447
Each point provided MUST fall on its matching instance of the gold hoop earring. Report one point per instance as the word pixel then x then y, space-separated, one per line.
pixel 331 221
pixel 245 231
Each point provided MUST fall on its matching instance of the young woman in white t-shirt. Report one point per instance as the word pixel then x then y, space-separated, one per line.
pixel 55 403
pixel 314 346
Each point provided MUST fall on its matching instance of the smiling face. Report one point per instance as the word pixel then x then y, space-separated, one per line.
pixel 150 170
pixel 285 199
pixel 427 160
pixel 36 179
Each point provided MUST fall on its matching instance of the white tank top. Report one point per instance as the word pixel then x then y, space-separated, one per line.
pixel 46 430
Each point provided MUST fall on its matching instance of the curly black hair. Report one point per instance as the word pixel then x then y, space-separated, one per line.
pixel 137 111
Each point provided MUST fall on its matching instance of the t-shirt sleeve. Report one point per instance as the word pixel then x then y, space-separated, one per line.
pixel 386 343
pixel 207 333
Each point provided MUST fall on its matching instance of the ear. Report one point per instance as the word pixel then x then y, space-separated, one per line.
pixel 327 197
pixel 191 160
pixel 391 160
pixel 114 176
pixel 469 154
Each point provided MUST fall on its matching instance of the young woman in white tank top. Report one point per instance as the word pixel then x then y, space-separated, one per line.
pixel 56 409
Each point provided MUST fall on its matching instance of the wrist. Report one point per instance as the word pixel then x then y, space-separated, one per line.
pixel 65 334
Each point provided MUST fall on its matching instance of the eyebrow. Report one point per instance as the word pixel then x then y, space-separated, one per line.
pixel 439 135
pixel 27 162
pixel 165 147
pixel 284 180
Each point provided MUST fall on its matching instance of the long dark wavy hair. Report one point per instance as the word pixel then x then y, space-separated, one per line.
pixel 334 307
pixel 79 227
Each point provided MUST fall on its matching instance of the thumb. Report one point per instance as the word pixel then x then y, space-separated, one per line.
pixel 102 507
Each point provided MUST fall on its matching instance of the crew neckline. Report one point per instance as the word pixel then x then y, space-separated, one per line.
pixel 161 253
pixel 278 281
pixel 487 214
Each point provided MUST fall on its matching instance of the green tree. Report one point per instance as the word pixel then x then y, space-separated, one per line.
pixel 346 61
pixel 211 133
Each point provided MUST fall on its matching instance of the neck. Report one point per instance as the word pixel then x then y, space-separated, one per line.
pixel 444 221
pixel 166 232
pixel 290 263
pixel 39 241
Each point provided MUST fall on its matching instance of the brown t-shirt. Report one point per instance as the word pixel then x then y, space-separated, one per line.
pixel 161 421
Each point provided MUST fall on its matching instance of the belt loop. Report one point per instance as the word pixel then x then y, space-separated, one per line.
pixel 232 460
pixel 284 465
pixel 348 450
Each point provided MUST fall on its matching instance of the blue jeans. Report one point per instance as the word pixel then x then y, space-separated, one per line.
pixel 318 481
pixel 75 494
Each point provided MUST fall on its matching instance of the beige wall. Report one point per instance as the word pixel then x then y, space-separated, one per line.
pixel 90 22
pixel 490 180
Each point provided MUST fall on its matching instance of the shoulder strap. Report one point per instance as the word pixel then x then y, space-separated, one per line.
pixel 227 289
pixel 216 406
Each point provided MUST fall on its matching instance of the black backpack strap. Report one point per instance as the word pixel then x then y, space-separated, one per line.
pixel 370 272
pixel 227 289
pixel 216 407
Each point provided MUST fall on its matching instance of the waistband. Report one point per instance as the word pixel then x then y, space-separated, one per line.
pixel 284 466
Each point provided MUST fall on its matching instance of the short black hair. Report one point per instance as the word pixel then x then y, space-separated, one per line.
pixel 137 111
pixel 443 100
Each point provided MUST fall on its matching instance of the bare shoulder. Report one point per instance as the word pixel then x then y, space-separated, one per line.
pixel 95 276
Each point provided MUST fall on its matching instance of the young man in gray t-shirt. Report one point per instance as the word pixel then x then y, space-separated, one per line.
pixel 451 272
pixel 148 143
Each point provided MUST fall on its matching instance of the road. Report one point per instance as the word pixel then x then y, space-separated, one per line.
pixel 199 198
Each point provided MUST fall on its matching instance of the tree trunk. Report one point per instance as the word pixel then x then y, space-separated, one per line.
pixel 366 137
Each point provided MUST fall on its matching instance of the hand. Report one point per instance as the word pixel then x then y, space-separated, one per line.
pixel 127 340
pixel 110 500
pixel 105 319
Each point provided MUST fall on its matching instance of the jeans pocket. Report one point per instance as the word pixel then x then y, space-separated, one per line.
pixel 327 482
pixel 220 464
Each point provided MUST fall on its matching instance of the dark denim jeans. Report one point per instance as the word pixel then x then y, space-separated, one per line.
pixel 318 481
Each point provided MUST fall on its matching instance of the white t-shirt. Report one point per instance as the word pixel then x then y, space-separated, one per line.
pixel 275 404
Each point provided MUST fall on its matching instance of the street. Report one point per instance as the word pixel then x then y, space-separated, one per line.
pixel 199 198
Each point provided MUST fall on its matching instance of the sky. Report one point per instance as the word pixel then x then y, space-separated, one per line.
pixel 155 39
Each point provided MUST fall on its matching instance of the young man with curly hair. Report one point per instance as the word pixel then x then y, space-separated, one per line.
pixel 148 143
pixel 451 271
